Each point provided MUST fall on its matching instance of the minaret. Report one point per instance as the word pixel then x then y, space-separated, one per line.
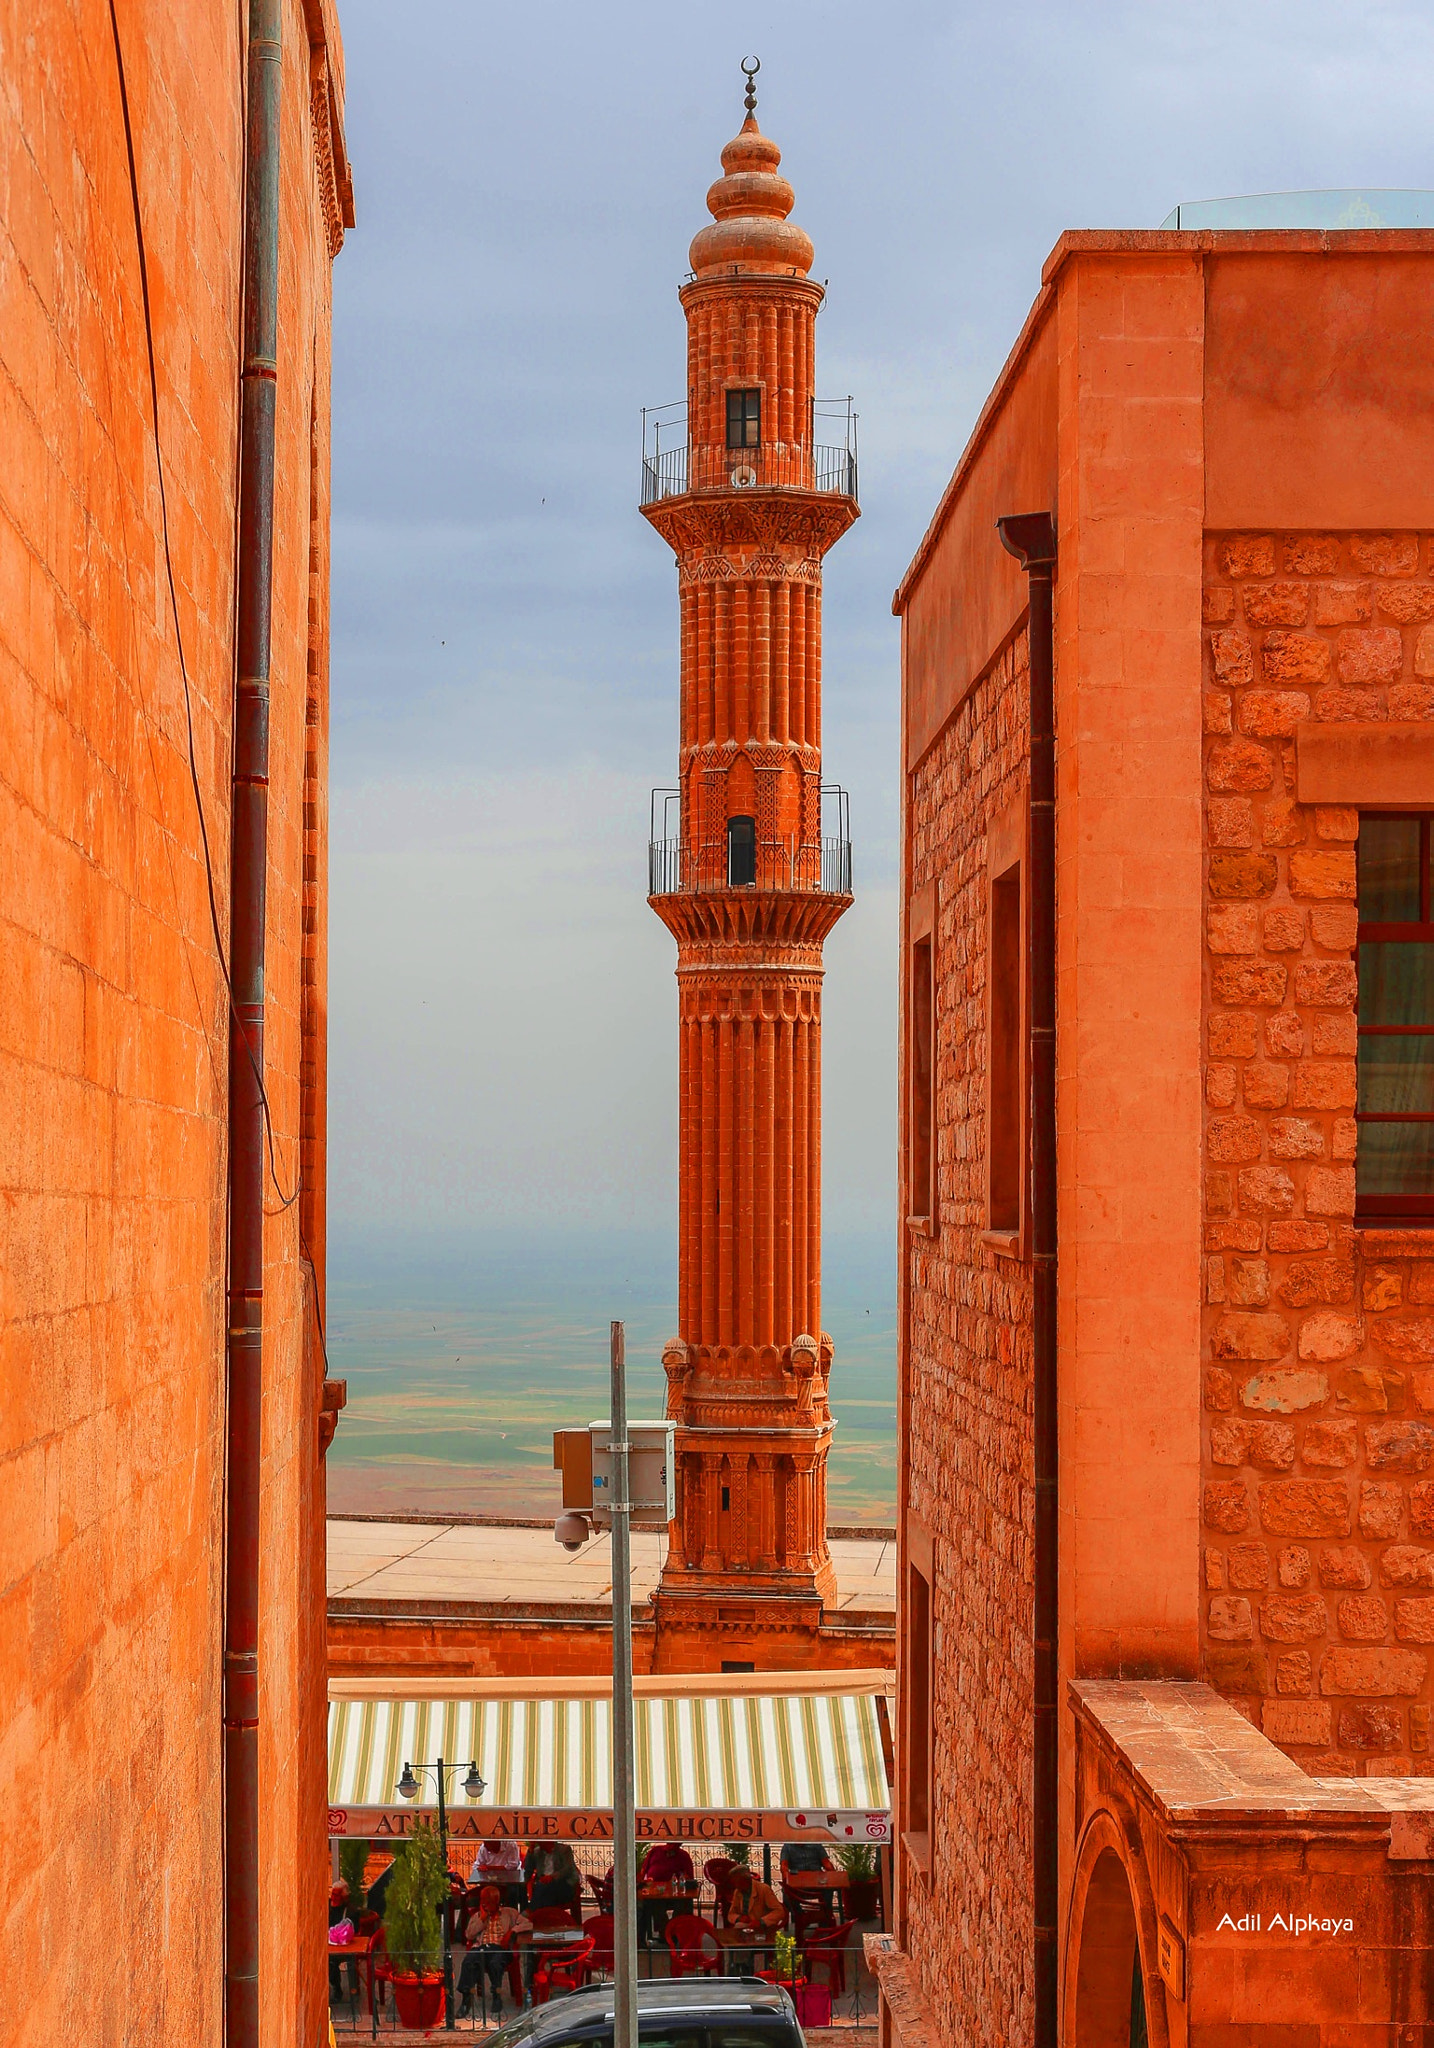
pixel 749 888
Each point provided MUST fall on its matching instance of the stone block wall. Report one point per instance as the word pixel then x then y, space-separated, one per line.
pixel 967 1430
pixel 114 1023
pixel 1318 1502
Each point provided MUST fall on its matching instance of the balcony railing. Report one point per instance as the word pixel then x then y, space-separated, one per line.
pixel 824 459
pixel 673 472
pixel 678 867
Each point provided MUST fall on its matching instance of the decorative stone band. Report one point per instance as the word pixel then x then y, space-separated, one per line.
pixel 801 522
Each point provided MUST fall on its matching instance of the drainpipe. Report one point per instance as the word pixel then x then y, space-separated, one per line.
pixel 1031 538
pixel 249 862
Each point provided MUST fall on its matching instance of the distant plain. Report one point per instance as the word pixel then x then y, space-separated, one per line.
pixel 463 1354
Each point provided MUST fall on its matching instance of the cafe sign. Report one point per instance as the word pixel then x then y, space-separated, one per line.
pixel 575 1824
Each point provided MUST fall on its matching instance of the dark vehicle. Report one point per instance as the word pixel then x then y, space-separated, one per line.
pixel 720 2012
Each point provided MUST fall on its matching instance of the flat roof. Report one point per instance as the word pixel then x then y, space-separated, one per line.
pixel 497 1565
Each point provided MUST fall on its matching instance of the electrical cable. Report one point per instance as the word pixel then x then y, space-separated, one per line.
pixel 285 1201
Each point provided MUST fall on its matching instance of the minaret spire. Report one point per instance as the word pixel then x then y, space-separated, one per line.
pixel 749 887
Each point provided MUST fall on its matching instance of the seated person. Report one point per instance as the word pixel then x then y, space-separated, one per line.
pixel 755 1911
pixel 806 1857
pixel 553 1877
pixel 378 1890
pixel 667 1864
pixel 499 1863
pixel 489 1934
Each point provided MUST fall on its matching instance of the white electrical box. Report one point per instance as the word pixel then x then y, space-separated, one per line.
pixel 651 1473
pixel 583 1458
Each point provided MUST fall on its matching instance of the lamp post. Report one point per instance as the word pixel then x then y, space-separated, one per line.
pixel 473 1789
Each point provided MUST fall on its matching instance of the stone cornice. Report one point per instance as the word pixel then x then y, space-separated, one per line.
pixel 767 517
pixel 786 918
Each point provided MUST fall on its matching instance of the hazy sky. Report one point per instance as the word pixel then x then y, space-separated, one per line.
pixel 504 623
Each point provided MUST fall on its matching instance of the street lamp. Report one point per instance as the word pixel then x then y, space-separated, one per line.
pixel 473 1790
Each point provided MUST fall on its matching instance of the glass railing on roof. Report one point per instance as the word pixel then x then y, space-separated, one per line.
pixel 1371 209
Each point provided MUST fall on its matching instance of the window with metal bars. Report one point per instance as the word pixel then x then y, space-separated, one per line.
pixel 1395 1165
pixel 744 419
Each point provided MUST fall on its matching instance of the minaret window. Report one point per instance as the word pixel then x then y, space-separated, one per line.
pixel 741 852
pixel 744 419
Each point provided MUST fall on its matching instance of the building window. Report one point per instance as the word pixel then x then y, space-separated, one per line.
pixel 921 1109
pixel 917 1701
pixel 741 852
pixel 1005 1121
pixel 744 419
pixel 1395 1166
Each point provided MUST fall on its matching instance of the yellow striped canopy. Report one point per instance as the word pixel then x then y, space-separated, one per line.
pixel 798 1750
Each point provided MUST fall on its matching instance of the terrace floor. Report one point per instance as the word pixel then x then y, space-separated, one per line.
pixel 512 1564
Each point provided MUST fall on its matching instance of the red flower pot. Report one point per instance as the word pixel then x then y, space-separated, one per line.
pixel 419 2000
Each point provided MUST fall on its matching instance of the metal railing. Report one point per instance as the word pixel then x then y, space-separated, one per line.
pixel 843 1996
pixel 677 867
pixel 822 459
pixel 673 472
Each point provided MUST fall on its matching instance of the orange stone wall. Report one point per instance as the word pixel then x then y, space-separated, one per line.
pixel 113 1023
pixel 1230 431
pixel 967 1444
pixel 1319 1383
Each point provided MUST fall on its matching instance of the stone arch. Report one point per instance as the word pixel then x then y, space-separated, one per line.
pixel 1111 1940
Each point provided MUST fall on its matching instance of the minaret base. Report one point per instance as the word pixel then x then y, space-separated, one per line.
pixel 760 1630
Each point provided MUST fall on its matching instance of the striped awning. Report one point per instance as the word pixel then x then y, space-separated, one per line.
pixel 693 1754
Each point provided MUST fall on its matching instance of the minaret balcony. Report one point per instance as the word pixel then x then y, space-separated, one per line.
pixel 681 867
pixel 674 472
pixel 675 466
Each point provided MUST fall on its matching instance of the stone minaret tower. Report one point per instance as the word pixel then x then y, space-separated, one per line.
pixel 749 887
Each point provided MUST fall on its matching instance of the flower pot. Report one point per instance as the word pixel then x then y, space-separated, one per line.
pixel 863 1896
pixel 419 1999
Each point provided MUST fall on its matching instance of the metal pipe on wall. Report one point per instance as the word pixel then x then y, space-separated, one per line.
pixel 1031 538
pixel 248 894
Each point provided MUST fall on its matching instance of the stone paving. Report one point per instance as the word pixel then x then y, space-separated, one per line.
pixel 507 1564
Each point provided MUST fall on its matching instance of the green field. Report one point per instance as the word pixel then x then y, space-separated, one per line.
pixel 462 1358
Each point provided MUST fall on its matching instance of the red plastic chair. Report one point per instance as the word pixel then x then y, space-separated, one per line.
pixel 602 1891
pixel 720 1872
pixel 828 1952
pixel 599 1929
pixel 565 1971
pixel 693 1945
pixel 375 1972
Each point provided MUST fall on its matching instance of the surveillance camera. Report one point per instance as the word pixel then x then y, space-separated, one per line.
pixel 571 1531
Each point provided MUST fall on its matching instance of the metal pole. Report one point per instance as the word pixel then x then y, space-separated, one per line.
pixel 443 1852
pixel 1031 538
pixel 624 1820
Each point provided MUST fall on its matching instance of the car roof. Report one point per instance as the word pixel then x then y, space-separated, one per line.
pixel 696 1997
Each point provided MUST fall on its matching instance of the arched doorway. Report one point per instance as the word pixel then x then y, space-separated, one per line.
pixel 1110 2010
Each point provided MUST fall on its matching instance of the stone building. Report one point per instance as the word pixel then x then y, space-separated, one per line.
pixel 1167 1579
pixel 750 872
pixel 122 365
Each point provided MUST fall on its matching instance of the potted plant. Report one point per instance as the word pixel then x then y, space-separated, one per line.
pixel 863 1892
pixel 415 1933
pixel 353 1859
